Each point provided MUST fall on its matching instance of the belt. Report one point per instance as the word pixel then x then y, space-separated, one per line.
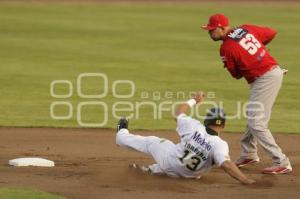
pixel 270 69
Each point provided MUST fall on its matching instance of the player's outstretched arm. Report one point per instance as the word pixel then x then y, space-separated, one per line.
pixel 230 168
pixel 183 108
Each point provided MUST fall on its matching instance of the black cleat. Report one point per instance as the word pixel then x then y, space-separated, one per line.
pixel 122 124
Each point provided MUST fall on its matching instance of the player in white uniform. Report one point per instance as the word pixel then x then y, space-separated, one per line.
pixel 199 150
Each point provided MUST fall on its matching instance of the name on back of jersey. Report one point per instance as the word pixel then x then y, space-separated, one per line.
pixel 201 141
pixel 199 146
pixel 237 34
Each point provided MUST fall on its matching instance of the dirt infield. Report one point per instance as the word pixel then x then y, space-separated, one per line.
pixel 89 165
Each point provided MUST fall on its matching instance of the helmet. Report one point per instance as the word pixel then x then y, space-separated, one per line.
pixel 215 116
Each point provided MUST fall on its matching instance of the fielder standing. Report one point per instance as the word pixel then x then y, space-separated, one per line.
pixel 244 54
pixel 199 150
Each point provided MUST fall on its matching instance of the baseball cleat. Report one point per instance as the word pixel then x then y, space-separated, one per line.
pixel 244 162
pixel 144 169
pixel 122 124
pixel 277 170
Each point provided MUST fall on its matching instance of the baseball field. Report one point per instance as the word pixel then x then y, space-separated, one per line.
pixel 69 69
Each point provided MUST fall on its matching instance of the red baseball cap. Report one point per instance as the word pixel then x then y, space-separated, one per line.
pixel 216 20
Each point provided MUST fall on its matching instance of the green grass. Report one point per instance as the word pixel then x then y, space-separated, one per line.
pixel 21 193
pixel 159 47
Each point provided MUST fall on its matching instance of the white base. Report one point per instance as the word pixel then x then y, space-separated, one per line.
pixel 24 162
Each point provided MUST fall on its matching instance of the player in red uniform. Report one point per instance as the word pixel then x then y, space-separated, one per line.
pixel 244 54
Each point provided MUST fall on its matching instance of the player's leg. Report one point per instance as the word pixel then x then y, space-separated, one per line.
pixel 263 94
pixel 151 145
pixel 136 142
pixel 248 149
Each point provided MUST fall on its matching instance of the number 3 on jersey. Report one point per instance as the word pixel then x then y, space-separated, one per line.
pixel 190 160
pixel 250 44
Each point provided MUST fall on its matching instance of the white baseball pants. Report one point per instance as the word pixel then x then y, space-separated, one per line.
pixel 157 147
pixel 263 92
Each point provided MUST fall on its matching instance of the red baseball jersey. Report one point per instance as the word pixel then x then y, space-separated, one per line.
pixel 244 54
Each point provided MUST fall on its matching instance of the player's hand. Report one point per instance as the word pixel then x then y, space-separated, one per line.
pixel 284 71
pixel 199 96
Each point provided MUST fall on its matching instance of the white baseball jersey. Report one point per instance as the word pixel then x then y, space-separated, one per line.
pixel 198 150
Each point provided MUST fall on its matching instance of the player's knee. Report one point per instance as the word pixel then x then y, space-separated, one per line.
pixel 153 139
pixel 257 127
pixel 151 142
